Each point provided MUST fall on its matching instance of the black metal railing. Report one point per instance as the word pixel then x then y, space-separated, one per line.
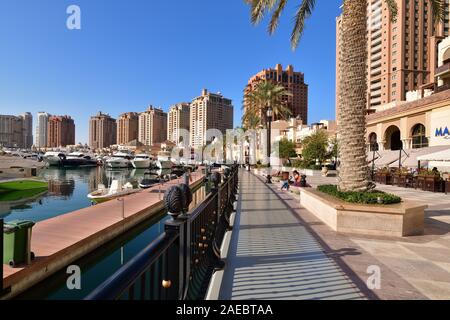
pixel 179 264
pixel 1 257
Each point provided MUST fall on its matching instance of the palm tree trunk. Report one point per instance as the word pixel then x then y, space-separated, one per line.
pixel 353 169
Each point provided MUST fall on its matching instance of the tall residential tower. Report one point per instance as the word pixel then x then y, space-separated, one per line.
pixel 178 119
pixel 293 81
pixel 102 131
pixel 152 126
pixel 209 111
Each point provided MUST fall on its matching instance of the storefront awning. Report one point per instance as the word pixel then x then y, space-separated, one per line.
pixel 437 156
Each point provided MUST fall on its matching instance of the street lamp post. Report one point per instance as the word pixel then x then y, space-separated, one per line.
pixel 269 115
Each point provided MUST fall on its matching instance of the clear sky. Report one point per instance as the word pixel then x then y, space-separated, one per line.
pixel 132 53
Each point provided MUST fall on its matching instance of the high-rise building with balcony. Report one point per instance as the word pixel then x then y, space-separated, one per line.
pixel 11 131
pixel 402 54
pixel 292 81
pixel 102 131
pixel 60 131
pixel 152 126
pixel 127 127
pixel 27 130
pixel 41 129
pixel 178 119
pixel 209 111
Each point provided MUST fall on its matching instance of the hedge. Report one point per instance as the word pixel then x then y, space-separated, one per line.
pixel 368 197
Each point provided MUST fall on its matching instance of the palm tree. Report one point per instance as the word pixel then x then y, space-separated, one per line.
pixel 251 120
pixel 266 94
pixel 353 169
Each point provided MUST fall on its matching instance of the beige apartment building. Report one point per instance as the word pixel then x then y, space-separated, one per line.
pixel 292 81
pixel 102 131
pixel 11 131
pixel 209 111
pixel 127 127
pixel 402 55
pixel 152 126
pixel 178 119
pixel 60 131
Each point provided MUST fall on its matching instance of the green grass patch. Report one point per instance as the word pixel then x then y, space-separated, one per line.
pixel 22 185
pixel 21 195
pixel 369 197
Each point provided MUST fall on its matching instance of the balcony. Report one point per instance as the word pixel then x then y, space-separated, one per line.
pixel 444 70
pixel 444 87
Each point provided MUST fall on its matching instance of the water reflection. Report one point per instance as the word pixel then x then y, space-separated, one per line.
pixel 68 190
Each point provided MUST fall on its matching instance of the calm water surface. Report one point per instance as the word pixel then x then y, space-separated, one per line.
pixel 68 190
pixel 99 265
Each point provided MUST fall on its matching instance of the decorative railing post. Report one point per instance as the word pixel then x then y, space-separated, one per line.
pixel 174 270
pixel 215 180
pixel 1 257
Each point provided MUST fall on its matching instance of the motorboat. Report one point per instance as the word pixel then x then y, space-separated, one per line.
pixel 178 171
pixel 163 161
pixel 119 160
pixel 54 158
pixel 78 159
pixel 142 161
pixel 150 179
pixel 116 190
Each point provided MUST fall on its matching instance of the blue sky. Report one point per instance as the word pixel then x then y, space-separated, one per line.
pixel 133 53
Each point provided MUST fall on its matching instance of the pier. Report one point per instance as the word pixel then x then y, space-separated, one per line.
pixel 60 241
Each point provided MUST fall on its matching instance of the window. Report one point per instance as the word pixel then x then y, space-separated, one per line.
pixel 419 140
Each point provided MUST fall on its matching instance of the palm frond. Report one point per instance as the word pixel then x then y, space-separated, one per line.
pixel 273 25
pixel 304 12
pixel 393 9
pixel 438 9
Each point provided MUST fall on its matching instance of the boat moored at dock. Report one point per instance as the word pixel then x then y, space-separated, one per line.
pixel 119 160
pixel 53 158
pixel 103 194
pixel 142 161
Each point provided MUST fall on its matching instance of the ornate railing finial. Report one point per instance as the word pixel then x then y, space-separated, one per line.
pixel 174 201
pixel 186 191
pixel 215 178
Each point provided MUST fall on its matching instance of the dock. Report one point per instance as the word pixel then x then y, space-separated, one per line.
pixel 60 241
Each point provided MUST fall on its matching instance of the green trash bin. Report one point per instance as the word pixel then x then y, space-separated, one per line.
pixel 17 242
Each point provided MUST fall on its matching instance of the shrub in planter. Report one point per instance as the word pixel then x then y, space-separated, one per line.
pixel 368 197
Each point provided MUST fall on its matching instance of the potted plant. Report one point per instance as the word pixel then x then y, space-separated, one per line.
pixel 384 176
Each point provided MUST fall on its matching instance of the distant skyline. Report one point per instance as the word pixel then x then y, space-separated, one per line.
pixel 131 54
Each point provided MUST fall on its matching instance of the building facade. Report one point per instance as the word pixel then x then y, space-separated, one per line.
pixel 41 129
pixel 209 111
pixel 402 54
pixel 60 131
pixel 27 130
pixel 152 126
pixel 178 119
pixel 102 131
pixel 292 81
pixel 127 127
pixel 11 131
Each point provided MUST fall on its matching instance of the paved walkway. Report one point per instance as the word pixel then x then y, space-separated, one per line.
pixel 412 267
pixel 272 255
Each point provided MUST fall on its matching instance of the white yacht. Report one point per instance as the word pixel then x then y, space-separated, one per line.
pixel 142 161
pixel 119 160
pixel 53 158
pixel 163 161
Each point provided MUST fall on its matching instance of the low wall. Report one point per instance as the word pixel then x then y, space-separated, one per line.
pixel 398 220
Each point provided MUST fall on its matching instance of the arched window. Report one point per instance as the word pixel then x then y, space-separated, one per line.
pixel 373 141
pixel 419 139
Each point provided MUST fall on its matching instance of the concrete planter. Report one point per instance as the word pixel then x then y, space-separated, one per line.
pixel 398 220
